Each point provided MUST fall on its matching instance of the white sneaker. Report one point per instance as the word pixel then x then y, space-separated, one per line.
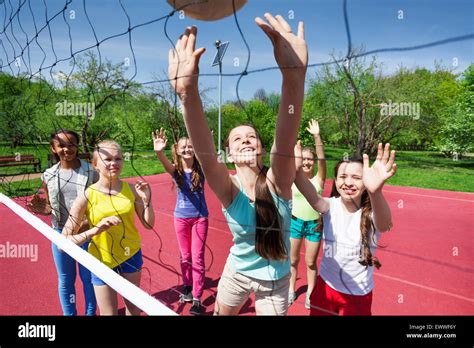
pixel 307 304
pixel 291 298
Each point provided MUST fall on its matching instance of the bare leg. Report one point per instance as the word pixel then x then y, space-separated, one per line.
pixel 222 309
pixel 295 260
pixel 134 278
pixel 106 299
pixel 311 255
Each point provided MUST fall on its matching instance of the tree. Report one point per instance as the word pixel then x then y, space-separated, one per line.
pixel 170 111
pixel 260 94
pixel 360 107
pixel 21 105
pixel 97 82
pixel 458 128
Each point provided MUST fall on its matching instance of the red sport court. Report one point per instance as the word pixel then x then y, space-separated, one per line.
pixel 427 258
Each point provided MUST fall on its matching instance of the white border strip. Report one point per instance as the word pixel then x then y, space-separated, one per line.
pixel 134 294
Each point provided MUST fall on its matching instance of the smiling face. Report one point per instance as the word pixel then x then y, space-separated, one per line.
pixel 245 146
pixel 349 183
pixel 308 161
pixel 65 146
pixel 185 149
pixel 108 160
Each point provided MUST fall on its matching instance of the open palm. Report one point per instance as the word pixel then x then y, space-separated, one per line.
pixel 159 140
pixel 183 62
pixel 39 205
pixel 290 50
pixel 313 127
pixel 381 170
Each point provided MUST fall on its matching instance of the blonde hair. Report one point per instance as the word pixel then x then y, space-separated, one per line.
pixel 105 144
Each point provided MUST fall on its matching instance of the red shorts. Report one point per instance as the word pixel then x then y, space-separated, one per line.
pixel 327 301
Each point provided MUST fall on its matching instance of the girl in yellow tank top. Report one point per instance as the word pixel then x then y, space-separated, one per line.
pixel 120 242
pixel 110 206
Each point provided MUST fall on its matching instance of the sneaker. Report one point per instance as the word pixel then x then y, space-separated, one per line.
pixel 307 304
pixel 291 298
pixel 196 308
pixel 187 295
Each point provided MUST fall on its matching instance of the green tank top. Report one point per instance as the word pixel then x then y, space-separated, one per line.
pixel 301 208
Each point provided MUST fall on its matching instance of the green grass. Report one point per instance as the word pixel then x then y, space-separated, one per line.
pixel 415 168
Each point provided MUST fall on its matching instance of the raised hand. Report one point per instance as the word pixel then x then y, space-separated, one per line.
pixel 290 50
pixel 39 205
pixel 143 190
pixel 107 223
pixel 298 155
pixel 183 65
pixel 313 127
pixel 382 169
pixel 159 140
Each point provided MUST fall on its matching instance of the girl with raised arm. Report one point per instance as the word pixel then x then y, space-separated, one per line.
pixel 353 219
pixel 304 219
pixel 190 214
pixel 256 201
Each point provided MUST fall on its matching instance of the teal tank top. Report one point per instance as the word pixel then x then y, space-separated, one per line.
pixel 243 258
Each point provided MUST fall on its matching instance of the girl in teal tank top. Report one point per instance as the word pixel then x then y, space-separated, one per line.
pixel 256 201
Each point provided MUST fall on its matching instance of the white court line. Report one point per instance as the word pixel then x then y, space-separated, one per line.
pixel 418 194
pixel 426 287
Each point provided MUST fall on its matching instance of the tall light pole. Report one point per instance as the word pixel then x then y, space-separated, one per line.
pixel 221 48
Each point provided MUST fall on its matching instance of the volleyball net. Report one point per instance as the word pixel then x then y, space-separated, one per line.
pixel 49 74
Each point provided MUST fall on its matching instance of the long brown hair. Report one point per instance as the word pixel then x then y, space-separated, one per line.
pixel 367 228
pixel 269 242
pixel 196 174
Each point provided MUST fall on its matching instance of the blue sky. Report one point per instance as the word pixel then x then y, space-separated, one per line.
pixel 374 24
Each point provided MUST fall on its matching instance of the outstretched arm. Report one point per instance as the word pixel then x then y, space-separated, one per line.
pixel 313 128
pixel 183 72
pixel 305 186
pixel 291 54
pixel 159 144
pixel 374 178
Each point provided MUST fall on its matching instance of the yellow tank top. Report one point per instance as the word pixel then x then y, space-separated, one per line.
pixel 118 243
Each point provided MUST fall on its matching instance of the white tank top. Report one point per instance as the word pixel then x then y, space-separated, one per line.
pixel 340 267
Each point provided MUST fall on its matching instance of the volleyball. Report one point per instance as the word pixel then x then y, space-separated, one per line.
pixel 207 10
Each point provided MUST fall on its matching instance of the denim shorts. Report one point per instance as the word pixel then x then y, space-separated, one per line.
pixel 132 265
pixel 301 228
